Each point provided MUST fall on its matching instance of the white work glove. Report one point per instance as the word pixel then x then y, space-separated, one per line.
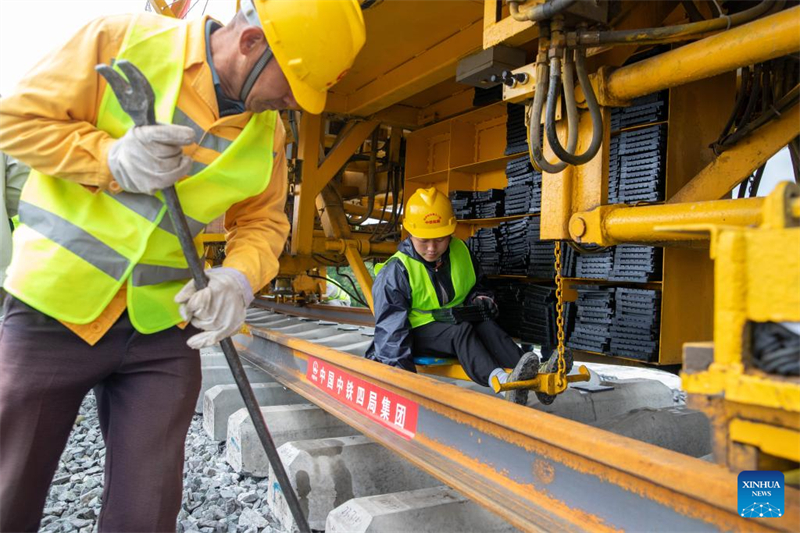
pixel 149 158
pixel 219 309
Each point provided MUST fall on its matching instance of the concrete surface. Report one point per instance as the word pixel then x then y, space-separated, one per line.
pixel 221 401
pixel 431 510
pixel 221 375
pixel 286 423
pixel 328 472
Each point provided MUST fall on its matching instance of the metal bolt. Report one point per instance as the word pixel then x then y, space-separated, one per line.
pixel 577 227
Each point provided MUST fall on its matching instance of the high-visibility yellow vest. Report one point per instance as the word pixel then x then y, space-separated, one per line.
pixel 75 248
pixel 339 293
pixel 423 294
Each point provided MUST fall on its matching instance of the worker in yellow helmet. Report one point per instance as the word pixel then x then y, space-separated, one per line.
pixel 100 291
pixel 433 270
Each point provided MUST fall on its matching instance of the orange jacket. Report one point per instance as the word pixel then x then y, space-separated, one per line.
pixel 48 123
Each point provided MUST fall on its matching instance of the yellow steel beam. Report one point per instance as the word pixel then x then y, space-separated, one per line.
pixel 334 222
pixel 432 66
pixel 506 30
pixel 364 247
pixel 732 166
pixel 316 176
pixel 355 209
pixel 777 441
pixel 609 225
pixel 360 270
pixel 161 7
pixel 400 115
pixel 763 39
pixel 537 470
pixel 454 105
pixel 454 371
pixel 337 157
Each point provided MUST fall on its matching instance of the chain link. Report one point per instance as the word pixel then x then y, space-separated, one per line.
pixel 560 309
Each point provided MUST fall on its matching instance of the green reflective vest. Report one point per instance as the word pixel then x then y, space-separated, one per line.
pixel 423 294
pixel 336 293
pixel 74 248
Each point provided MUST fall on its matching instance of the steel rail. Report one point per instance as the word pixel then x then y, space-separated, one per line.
pixel 358 316
pixel 536 470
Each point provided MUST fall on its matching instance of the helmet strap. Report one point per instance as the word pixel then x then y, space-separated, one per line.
pixel 255 72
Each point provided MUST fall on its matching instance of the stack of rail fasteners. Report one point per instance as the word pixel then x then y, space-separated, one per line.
pixel 484 247
pixel 484 97
pixel 538 325
pixel 541 255
pixel 509 303
pixel 478 312
pixel 595 265
pixel 635 263
pixel 569 261
pixel 488 204
pixel 592 331
pixel 536 192
pixel 613 170
pixel 643 110
pixel 635 327
pixel 520 176
pixel 462 204
pixel 642 160
pixel 513 243
pixel 541 260
pixel 516 133
pixel 637 155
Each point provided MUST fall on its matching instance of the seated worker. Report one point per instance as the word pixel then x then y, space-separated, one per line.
pixel 433 269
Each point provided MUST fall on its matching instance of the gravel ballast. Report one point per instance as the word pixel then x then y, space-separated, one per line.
pixel 215 499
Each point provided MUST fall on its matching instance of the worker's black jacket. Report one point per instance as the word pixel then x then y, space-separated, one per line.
pixel 391 294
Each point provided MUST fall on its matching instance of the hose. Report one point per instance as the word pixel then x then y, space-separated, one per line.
pixel 569 98
pixel 373 159
pixel 534 130
pixel 594 111
pixel 756 181
pixel 789 99
pixel 794 155
pixel 350 294
pixel 539 12
pixel 679 32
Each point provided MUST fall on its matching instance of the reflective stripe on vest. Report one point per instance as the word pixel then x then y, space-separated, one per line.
pixel 423 294
pixel 75 248
pixel 74 239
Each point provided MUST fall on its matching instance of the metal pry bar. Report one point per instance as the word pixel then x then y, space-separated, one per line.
pixel 135 95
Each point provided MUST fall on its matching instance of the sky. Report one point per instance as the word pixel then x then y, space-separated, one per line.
pixel 29 29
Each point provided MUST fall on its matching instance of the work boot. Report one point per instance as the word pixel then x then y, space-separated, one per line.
pixel 550 366
pixel 526 369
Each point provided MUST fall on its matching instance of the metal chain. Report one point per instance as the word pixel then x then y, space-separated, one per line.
pixel 560 309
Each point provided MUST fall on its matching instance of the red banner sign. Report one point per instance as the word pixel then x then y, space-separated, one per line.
pixel 387 408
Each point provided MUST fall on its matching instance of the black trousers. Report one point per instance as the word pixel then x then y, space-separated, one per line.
pixel 146 388
pixel 480 346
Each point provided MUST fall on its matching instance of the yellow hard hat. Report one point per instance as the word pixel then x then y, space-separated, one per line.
pixel 315 43
pixel 429 214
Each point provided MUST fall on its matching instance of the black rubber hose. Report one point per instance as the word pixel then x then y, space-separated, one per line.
pixel 794 154
pixel 594 112
pixel 789 99
pixel 534 130
pixel 373 161
pixel 350 294
pixel 738 105
pixel 540 12
pixel 538 159
pixel 569 99
pixel 679 32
